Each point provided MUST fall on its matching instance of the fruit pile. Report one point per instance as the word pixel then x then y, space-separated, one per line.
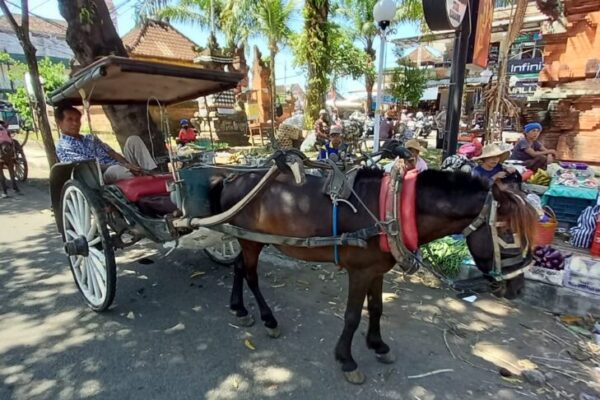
pixel 541 177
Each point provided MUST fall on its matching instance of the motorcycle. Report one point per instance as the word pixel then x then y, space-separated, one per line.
pixel 424 127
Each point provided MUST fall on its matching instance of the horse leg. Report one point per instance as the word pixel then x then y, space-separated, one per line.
pixel 236 301
pixel 375 306
pixel 251 275
pixel 359 283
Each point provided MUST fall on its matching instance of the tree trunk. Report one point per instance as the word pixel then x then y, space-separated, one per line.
pixel 369 77
pixel 273 96
pixel 22 33
pixel 316 28
pixel 42 115
pixel 91 35
pixel 496 118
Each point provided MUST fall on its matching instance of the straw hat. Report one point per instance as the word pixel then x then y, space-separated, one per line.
pixel 415 145
pixel 493 150
pixel 322 111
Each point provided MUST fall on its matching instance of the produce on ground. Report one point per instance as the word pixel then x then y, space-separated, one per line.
pixel 549 258
pixel 446 255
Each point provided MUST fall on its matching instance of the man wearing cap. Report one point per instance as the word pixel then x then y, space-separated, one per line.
pixel 490 163
pixel 186 133
pixel 530 151
pixel 335 145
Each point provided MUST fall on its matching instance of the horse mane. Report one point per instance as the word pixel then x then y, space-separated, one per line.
pixel 467 190
pixel 366 172
pixel 452 181
pixel 514 208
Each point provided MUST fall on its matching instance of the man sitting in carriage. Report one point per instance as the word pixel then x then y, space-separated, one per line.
pixel 73 146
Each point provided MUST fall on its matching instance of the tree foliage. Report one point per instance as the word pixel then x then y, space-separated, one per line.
pixel 53 75
pixel 408 82
pixel 233 18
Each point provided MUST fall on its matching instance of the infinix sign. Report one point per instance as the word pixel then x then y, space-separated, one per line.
pixel 526 66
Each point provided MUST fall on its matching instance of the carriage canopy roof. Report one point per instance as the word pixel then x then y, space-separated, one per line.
pixel 119 80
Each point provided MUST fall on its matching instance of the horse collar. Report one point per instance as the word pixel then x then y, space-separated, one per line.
pixel 397 207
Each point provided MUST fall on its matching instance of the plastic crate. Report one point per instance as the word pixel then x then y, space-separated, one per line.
pixel 568 209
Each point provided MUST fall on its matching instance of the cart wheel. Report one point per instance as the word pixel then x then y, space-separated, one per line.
pixel 226 252
pixel 21 169
pixel 88 245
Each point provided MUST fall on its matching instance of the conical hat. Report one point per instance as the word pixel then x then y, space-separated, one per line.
pixel 493 150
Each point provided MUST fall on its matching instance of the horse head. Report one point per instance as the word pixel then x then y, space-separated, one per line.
pixel 500 239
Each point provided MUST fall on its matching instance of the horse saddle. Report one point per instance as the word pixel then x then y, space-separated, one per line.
pixel 338 184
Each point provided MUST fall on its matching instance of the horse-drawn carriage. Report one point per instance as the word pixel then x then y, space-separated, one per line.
pixel 362 219
pixel 94 218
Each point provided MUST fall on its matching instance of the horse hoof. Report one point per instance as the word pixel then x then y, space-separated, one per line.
pixel 246 320
pixel 355 377
pixel 273 332
pixel 386 358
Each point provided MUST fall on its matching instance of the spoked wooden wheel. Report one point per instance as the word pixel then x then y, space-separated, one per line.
pixel 21 168
pixel 88 246
pixel 225 252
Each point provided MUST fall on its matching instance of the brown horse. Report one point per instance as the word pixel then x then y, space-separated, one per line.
pixel 446 202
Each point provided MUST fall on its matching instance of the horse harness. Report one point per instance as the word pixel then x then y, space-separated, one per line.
pixel 488 216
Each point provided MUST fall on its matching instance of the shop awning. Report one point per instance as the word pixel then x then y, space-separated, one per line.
pixel 429 94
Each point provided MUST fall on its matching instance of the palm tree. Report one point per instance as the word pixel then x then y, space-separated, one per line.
pixel 360 14
pixel 316 44
pixel 272 18
pixel 233 18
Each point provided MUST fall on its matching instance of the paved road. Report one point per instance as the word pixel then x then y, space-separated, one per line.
pixel 170 336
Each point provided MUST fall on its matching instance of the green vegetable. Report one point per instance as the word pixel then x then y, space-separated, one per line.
pixel 446 255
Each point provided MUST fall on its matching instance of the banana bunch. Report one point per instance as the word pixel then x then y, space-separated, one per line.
pixel 541 177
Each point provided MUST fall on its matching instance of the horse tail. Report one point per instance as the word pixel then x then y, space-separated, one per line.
pixel 521 216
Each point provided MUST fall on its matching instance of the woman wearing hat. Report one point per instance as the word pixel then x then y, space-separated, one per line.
pixel 416 149
pixel 531 152
pixel 490 163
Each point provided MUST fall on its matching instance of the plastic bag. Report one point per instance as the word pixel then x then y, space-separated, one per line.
pixel 309 143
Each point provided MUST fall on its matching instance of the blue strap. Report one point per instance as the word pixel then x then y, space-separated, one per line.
pixel 336 250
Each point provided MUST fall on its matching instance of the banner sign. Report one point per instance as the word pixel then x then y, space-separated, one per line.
pixel 525 66
pixel 523 87
pixel 479 42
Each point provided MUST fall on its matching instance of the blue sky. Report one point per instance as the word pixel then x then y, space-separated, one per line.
pixel 285 71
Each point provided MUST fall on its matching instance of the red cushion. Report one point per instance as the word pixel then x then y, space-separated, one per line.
pixel 408 210
pixel 142 186
pixel 410 234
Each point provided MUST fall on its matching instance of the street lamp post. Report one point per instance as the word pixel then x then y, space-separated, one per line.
pixel 383 12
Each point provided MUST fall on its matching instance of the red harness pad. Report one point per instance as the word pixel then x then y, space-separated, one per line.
pixel 142 186
pixel 407 207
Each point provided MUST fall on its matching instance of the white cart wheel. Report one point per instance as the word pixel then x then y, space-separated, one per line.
pixel 88 247
pixel 225 252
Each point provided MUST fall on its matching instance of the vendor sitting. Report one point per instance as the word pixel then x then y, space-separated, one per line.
pixel 186 133
pixel 531 152
pixel 335 147
pixel 490 165
pixel 415 148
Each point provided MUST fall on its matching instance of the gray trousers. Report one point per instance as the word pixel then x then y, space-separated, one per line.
pixel 136 153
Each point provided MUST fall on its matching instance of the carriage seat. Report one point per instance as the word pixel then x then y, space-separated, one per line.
pixel 143 186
